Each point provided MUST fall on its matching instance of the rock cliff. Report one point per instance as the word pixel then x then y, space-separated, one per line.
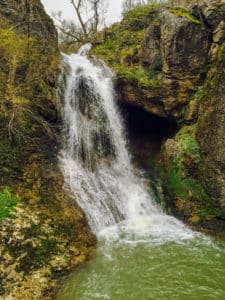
pixel 42 233
pixel 169 61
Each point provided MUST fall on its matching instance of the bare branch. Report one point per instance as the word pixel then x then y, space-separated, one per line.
pixel 78 12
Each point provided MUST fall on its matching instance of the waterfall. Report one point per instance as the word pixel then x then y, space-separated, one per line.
pixel 95 159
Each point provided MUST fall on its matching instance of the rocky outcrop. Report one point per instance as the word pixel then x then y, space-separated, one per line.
pixel 176 71
pixel 211 129
pixel 45 234
pixel 174 55
pixel 197 185
pixel 184 47
pixel 179 43
pixel 30 18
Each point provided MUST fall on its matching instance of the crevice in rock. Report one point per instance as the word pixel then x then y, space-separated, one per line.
pixel 145 132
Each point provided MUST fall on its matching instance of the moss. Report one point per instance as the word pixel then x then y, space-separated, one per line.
pixel 122 47
pixel 183 187
pixel 7 203
pixel 137 18
pixel 188 146
pixel 180 172
pixel 140 76
pixel 211 212
pixel 198 95
pixel 47 248
pixel 180 12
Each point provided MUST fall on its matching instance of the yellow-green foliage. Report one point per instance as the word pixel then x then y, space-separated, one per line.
pixel 122 47
pixel 22 80
pixel 13 52
pixel 180 12
pixel 26 100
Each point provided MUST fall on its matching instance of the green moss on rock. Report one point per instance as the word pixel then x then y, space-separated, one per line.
pixel 122 47
pixel 180 12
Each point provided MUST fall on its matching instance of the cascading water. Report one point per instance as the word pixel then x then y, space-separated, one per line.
pixel 142 253
pixel 95 160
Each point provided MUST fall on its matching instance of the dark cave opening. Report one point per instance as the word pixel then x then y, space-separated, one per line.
pixel 146 132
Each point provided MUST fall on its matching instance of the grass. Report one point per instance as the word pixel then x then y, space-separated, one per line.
pixel 7 203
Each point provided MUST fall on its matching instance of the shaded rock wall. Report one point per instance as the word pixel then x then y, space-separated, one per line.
pixel 211 129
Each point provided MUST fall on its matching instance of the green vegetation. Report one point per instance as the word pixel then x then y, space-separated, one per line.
pixel 188 145
pixel 186 158
pixel 22 80
pixel 184 187
pixel 26 98
pixel 198 94
pixel 181 176
pixel 180 12
pixel 140 75
pixel 7 203
pixel 121 48
pixel 137 18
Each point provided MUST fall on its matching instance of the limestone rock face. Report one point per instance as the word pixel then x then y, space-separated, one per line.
pixel 211 122
pixel 151 51
pixel 185 47
pixel 212 12
pixel 178 43
pixel 211 130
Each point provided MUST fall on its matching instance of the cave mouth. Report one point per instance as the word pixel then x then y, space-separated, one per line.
pixel 145 132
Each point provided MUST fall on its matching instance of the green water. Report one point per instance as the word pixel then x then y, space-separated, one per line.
pixel 188 267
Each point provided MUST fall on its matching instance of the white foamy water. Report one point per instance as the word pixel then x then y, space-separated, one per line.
pixel 96 163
